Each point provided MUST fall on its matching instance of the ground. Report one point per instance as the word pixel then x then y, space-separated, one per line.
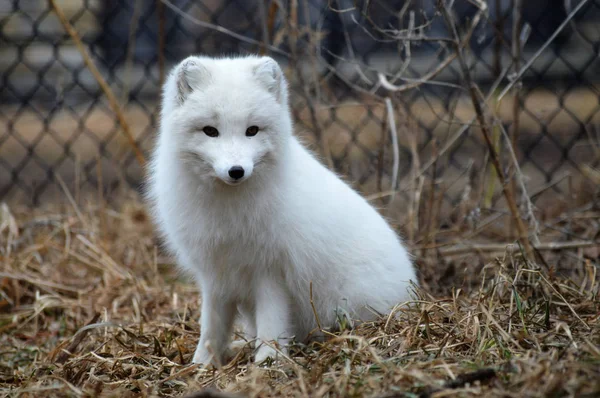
pixel 90 307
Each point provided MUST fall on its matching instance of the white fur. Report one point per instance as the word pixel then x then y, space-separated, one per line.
pixel 255 247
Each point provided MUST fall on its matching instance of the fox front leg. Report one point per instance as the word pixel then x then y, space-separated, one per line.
pixel 216 324
pixel 272 321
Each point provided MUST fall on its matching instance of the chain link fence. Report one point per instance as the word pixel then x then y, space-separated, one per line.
pixel 375 89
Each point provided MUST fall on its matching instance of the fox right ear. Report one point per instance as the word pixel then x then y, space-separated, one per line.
pixel 191 75
pixel 269 73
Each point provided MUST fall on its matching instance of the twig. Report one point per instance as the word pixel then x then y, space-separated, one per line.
pixel 430 201
pixel 516 56
pixel 112 100
pixel 101 201
pixel 541 50
pixel 221 29
pixel 71 199
pixel 383 81
pixel 292 27
pixel 211 393
pixel 64 355
pixel 480 375
pixel 312 304
pixel 351 53
pixel 416 187
pixel 314 55
pixel 77 178
pixel 271 19
pixel 160 10
pixel 395 148
pixel 450 142
pixel 484 125
pixel 511 248
pixel 131 40
pixel 382 149
pixel 521 180
pixel 264 25
pixel 427 78
pixel 466 378
pixel 559 295
pixel 499 25
pixel 549 185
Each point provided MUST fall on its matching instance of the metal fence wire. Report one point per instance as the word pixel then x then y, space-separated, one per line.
pixel 349 63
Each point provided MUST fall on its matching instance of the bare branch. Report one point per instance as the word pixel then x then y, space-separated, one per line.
pixel 484 125
pixel 221 29
pixel 539 52
pixel 112 100
pixel 389 86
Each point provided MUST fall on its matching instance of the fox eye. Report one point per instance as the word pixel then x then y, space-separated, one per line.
pixel 211 131
pixel 251 131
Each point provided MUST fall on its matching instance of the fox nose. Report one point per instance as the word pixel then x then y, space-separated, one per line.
pixel 236 172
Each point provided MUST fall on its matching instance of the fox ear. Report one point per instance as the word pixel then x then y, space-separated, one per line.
pixel 191 75
pixel 270 75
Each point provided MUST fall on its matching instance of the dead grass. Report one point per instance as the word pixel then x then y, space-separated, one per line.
pixel 89 307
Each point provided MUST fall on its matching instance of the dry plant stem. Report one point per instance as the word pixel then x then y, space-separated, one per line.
pixel 540 50
pixel 553 287
pixel 292 26
pixel 352 55
pixel 498 39
pixel 520 179
pixel 485 127
pixel 385 83
pixel 221 29
pixel 481 375
pixel 264 25
pixel 101 201
pixel 313 54
pixel 382 149
pixel 114 104
pixel 77 178
pixel 518 176
pixel 130 53
pixel 511 248
pixel 64 355
pixel 271 18
pixel 516 56
pixel 395 148
pixel 312 304
pixel 450 142
pixel 211 393
pixel 131 40
pixel 160 9
pixel 417 188
pixel 70 199
pixel 430 201
pixel 594 141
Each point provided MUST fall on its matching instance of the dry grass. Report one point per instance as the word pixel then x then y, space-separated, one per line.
pixel 90 308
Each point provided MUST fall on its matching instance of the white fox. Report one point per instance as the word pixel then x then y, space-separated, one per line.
pixel 256 218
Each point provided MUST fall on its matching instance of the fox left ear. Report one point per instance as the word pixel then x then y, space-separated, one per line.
pixel 268 72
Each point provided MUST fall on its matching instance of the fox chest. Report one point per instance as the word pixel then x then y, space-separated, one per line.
pixel 231 243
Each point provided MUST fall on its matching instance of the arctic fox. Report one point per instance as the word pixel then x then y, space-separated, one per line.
pixel 256 218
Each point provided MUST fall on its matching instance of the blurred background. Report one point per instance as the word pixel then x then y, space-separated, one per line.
pixel 349 64
pixel 469 124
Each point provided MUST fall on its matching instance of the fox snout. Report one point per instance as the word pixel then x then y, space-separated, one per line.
pixel 233 173
pixel 236 172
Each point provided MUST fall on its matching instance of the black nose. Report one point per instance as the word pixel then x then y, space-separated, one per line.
pixel 236 172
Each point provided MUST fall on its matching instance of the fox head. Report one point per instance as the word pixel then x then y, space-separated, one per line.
pixel 226 118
